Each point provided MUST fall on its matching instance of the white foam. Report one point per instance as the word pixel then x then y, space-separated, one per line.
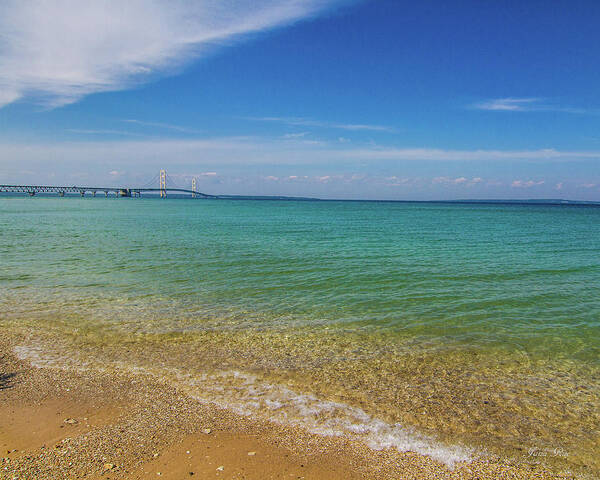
pixel 239 391
pixel 246 395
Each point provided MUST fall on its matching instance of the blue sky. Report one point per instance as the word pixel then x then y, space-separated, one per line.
pixel 337 99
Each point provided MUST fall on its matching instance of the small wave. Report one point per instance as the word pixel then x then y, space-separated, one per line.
pixel 247 395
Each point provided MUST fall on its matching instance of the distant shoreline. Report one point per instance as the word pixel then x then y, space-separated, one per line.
pixel 474 201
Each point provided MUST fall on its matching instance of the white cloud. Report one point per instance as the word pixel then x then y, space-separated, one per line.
pixel 527 104
pixel 307 122
pixel 59 51
pixel 507 104
pixel 395 181
pixel 167 126
pixel 526 184
pixel 589 185
pixel 559 186
pixel 466 155
pixel 212 153
pixel 455 181
pixel 8 94
pixel 295 135
pixel 441 180
pixel 104 132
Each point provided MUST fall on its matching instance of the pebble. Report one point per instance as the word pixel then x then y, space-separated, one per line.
pixel 221 468
pixel 71 421
pixel 207 431
pixel 108 466
pixel 251 454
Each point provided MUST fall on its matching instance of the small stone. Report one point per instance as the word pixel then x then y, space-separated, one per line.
pixel 108 466
pixel 251 454
pixel 155 455
pixel 71 421
pixel 221 468
pixel 207 431
pixel 191 473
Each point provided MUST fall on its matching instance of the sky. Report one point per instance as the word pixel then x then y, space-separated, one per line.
pixel 350 99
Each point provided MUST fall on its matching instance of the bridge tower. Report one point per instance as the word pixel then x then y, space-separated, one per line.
pixel 194 187
pixel 163 184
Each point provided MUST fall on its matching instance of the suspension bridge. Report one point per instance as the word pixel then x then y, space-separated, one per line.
pixel 165 184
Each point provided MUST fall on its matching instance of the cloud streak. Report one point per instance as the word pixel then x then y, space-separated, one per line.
pixel 527 104
pixel 307 122
pixel 261 151
pixel 58 52
pixel 507 104
pixel 166 126
pixel 526 183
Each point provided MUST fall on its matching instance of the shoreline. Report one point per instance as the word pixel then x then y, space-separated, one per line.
pixel 133 427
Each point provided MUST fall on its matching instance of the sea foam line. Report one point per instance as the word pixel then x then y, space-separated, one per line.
pixel 245 394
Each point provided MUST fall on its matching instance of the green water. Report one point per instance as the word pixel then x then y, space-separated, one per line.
pixel 471 325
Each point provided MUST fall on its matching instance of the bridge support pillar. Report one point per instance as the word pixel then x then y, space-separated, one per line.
pixel 61 194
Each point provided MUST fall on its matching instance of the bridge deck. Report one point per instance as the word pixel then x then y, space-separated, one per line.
pixel 119 191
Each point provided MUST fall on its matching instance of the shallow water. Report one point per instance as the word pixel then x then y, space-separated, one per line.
pixel 469 327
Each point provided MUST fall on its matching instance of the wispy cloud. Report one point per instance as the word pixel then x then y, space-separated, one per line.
pixel 104 132
pixel 167 126
pixel 249 151
pixel 526 183
pixel 433 154
pixel 457 181
pixel 507 104
pixel 57 52
pixel 528 104
pixel 307 122
pixel 295 135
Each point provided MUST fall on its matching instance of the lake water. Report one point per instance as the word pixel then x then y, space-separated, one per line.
pixel 452 330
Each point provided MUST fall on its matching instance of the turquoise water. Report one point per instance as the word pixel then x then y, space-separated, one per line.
pixel 485 299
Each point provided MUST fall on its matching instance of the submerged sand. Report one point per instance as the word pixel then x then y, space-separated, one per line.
pixel 69 423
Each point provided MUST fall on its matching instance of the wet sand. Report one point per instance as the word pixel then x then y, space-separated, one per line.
pixel 57 423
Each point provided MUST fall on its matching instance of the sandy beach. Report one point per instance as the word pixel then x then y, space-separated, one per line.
pixel 57 423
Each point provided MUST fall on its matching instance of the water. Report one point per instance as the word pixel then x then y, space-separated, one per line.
pixel 453 330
